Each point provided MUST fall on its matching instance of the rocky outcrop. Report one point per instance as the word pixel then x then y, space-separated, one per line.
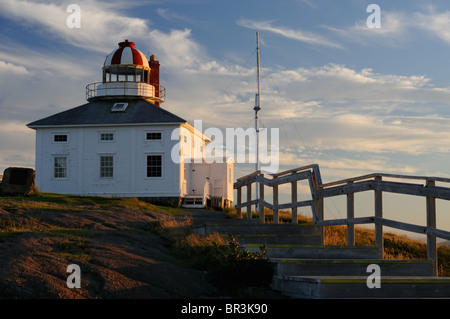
pixel 18 181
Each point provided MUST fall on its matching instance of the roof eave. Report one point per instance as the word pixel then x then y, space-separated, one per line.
pixel 102 125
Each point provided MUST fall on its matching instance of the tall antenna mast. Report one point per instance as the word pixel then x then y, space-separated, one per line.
pixel 256 109
pixel 257 102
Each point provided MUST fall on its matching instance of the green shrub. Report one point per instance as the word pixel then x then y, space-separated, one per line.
pixel 239 268
pixel 229 266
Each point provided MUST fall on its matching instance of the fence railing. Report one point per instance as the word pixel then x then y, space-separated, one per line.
pixel 348 187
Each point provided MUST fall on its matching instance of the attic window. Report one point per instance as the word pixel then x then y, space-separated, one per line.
pixel 153 135
pixel 60 138
pixel 119 107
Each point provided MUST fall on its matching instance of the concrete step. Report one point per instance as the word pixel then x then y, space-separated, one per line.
pixel 350 267
pixel 274 239
pixel 197 206
pixel 354 287
pixel 254 232
pixel 252 227
pixel 193 201
pixel 306 269
pixel 318 252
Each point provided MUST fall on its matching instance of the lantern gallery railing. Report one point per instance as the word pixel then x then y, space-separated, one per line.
pixel 125 88
pixel 349 187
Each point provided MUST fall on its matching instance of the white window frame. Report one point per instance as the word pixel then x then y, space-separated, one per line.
pixel 65 169
pixel 106 132
pixel 54 134
pixel 146 166
pixel 153 140
pixel 100 166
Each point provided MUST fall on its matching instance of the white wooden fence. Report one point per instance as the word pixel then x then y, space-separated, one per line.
pixel 348 187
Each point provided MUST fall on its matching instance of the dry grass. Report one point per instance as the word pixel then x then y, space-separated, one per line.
pixel 179 233
pixel 229 267
pixel 194 240
pixel 284 216
pixel 172 228
pixel 395 246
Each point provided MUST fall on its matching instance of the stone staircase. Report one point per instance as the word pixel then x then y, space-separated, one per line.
pixel 306 269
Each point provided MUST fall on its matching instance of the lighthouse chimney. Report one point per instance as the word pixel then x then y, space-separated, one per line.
pixel 154 75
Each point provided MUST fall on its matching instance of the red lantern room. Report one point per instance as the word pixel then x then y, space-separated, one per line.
pixel 128 73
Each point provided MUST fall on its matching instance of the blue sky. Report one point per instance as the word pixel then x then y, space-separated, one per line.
pixel 352 99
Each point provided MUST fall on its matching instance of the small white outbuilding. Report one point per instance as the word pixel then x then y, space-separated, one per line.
pixel 122 143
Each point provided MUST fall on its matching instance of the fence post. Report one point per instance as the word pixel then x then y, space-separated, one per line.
pixel 249 198
pixel 350 215
pixel 294 200
pixel 261 201
pixel 276 219
pixel 318 206
pixel 239 201
pixel 431 223
pixel 379 214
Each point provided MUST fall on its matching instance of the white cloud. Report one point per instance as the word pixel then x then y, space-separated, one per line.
pixel 308 3
pixel 101 22
pixel 10 68
pixel 17 145
pixel 340 84
pixel 178 48
pixel 329 108
pixel 398 28
pixel 103 25
pixel 172 16
pixel 357 133
pixel 438 24
pixel 349 167
pixel 298 35
pixel 53 81
pixel 393 31
pixel 25 60
pixel 333 107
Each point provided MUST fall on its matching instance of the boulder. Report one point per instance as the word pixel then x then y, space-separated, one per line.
pixel 18 181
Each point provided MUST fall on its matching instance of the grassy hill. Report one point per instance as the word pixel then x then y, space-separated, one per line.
pixel 109 238
pixel 125 248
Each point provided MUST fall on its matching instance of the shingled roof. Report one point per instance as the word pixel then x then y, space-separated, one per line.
pixel 98 112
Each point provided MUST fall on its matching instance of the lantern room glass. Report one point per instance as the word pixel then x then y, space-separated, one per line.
pixel 126 73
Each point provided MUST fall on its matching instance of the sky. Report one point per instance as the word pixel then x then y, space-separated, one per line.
pixel 349 97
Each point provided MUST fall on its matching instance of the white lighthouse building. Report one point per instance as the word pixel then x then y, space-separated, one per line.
pixel 121 143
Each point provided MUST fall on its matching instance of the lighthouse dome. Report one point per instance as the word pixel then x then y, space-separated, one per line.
pixel 126 54
pixel 127 73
